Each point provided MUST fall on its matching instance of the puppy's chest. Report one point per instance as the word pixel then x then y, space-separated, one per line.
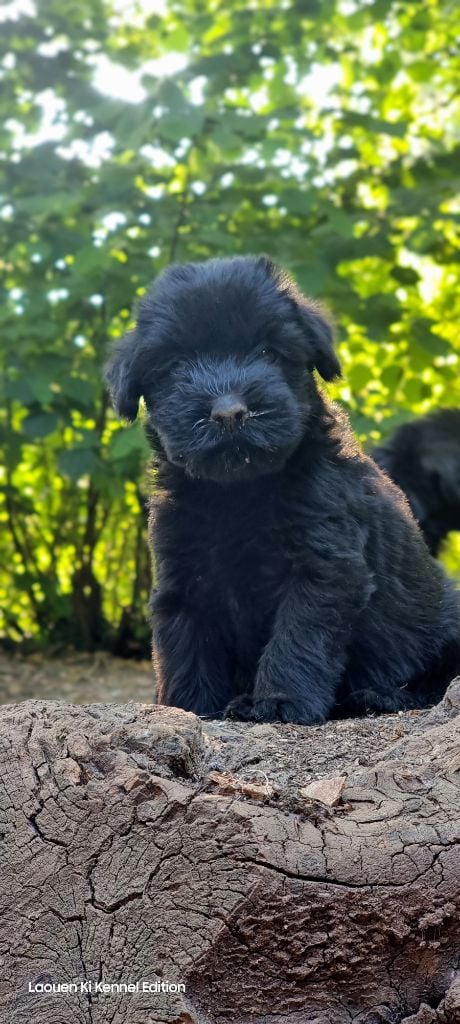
pixel 233 557
pixel 242 562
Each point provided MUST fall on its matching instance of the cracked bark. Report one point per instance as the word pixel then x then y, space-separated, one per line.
pixel 125 860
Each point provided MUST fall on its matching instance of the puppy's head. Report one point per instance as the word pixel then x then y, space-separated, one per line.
pixel 223 354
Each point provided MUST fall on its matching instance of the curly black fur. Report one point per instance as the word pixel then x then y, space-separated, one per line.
pixel 293 582
pixel 423 458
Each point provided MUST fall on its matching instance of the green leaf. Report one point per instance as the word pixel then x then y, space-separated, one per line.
pixel 77 462
pixel 359 376
pixel 20 390
pixel 296 201
pixel 375 124
pixel 184 125
pixel 391 376
pixel 405 275
pixel 80 390
pixel 40 387
pixel 421 333
pixel 413 390
pixel 126 442
pixel 422 70
pixel 39 425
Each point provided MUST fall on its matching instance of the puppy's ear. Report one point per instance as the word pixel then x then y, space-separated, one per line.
pixel 123 375
pixel 313 320
pixel 320 337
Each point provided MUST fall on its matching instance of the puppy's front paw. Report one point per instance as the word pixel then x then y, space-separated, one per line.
pixel 241 708
pixel 247 709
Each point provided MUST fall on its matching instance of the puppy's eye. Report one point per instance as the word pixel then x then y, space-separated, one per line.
pixel 268 353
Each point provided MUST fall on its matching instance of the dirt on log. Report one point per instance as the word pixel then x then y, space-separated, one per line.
pixel 279 873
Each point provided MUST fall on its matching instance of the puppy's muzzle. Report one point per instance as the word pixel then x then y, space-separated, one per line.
pixel 229 411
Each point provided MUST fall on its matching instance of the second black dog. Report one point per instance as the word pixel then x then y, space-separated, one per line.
pixel 423 458
pixel 293 582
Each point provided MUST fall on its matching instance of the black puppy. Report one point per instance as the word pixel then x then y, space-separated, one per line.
pixel 423 458
pixel 293 581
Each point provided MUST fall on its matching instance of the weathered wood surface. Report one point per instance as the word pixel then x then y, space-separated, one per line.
pixel 139 844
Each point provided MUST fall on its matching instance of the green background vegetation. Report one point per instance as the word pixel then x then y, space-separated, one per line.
pixel 322 132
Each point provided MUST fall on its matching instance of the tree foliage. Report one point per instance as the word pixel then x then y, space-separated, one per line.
pixel 322 132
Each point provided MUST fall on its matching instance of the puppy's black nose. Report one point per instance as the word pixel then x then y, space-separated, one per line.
pixel 229 411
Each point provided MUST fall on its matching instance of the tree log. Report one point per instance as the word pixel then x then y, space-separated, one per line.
pixel 279 873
